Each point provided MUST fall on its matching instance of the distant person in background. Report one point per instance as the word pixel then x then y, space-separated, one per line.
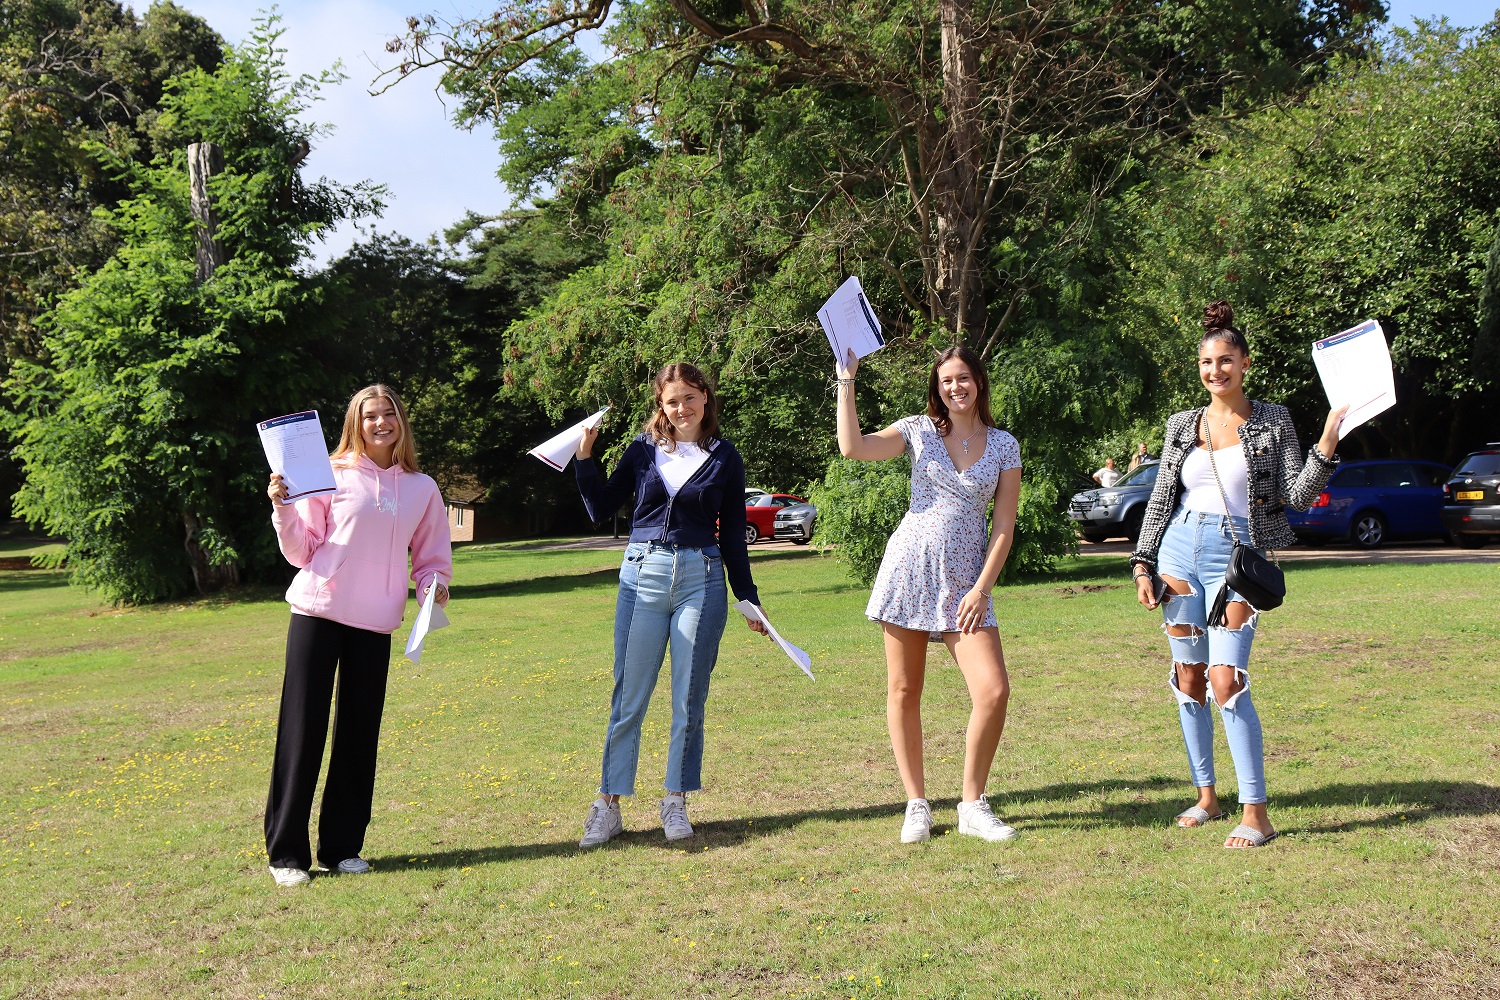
pixel 685 483
pixel 350 549
pixel 1108 475
pixel 1141 455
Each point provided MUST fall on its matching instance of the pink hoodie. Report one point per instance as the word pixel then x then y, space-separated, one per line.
pixel 351 546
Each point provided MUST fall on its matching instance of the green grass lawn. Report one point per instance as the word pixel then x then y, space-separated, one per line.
pixel 137 743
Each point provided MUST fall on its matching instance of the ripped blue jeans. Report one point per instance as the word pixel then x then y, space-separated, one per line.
pixel 1196 550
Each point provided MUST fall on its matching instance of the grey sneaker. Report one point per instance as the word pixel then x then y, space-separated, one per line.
pixel 352 866
pixel 674 819
pixel 977 820
pixel 918 825
pixel 290 876
pixel 602 824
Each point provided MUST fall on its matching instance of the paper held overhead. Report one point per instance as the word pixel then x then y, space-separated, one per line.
pixel 1355 367
pixel 850 323
pixel 296 450
pixel 556 450
pixel 429 619
pixel 798 656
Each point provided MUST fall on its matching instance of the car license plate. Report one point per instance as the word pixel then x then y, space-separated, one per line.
pixel 1469 495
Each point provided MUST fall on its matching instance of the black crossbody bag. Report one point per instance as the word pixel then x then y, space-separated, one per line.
pixel 1250 574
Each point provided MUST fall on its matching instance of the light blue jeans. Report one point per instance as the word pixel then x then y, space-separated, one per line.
pixel 1196 550
pixel 668 595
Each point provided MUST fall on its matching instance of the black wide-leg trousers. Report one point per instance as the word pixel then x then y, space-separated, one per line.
pixel 317 650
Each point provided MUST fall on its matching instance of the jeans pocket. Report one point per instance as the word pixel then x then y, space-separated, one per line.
pixel 635 553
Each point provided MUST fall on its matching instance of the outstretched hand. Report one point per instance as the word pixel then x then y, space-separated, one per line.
pixel 1329 442
pixel 586 443
pixel 848 366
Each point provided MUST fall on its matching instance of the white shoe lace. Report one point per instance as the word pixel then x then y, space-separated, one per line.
pixel 981 815
pixel 918 811
pixel 596 824
pixel 674 817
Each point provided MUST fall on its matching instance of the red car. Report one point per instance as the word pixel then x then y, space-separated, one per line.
pixel 760 514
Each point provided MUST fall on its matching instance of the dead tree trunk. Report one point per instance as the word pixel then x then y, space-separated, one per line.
pixel 204 160
pixel 957 186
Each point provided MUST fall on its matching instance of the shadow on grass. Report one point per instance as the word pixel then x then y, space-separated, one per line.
pixel 32 579
pixel 1404 802
pixel 560 583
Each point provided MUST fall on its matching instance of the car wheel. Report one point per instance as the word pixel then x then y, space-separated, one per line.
pixel 1369 531
pixel 1466 541
pixel 752 533
pixel 1093 536
pixel 1133 523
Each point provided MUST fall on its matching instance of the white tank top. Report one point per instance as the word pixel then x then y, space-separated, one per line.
pixel 1201 493
pixel 678 465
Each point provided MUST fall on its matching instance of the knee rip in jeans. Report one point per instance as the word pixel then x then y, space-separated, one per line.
pixel 1240 684
pixel 1174 682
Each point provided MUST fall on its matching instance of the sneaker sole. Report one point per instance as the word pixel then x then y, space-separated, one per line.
pixel 922 837
pixel 1013 835
pixel 681 836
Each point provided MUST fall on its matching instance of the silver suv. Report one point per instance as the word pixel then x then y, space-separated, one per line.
pixel 1114 511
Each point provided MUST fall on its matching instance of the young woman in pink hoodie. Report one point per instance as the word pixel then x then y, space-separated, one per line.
pixel 349 595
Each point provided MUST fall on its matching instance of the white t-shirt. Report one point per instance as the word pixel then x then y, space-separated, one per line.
pixel 678 465
pixel 1201 492
pixel 1107 476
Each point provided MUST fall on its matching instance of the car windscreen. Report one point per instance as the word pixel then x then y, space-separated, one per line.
pixel 1143 476
pixel 1482 464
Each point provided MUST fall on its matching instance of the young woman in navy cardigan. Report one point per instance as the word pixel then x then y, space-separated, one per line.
pixel 685 481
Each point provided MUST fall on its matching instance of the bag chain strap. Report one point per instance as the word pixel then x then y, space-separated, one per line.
pixel 1208 436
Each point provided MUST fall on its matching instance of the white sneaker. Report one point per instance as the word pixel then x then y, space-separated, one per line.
pixel 352 866
pixel 602 824
pixel 918 825
pixel 674 819
pixel 290 876
pixel 977 820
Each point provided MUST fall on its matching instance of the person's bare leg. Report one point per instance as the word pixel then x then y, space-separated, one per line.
pixel 982 661
pixel 906 671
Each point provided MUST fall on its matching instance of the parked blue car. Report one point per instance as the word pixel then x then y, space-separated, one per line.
pixel 1370 503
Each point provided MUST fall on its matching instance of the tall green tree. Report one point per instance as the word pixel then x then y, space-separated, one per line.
pixel 1378 197
pixel 737 161
pixel 135 423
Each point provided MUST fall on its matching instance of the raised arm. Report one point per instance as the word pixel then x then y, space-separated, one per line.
pixel 852 444
pixel 602 498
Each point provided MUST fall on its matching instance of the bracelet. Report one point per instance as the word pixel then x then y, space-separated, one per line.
pixel 1139 576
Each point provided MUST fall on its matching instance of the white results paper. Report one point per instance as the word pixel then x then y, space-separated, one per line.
pixel 1355 367
pixel 799 656
pixel 295 448
pixel 556 450
pixel 429 619
pixel 850 323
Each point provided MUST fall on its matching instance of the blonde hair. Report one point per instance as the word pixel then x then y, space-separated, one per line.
pixel 659 429
pixel 352 444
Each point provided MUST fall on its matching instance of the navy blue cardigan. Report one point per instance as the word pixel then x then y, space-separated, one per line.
pixel 715 493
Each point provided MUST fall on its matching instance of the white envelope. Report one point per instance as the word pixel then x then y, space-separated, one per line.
pixel 429 619
pixel 798 656
pixel 556 450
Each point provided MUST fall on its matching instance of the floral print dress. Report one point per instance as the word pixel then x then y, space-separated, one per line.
pixel 937 553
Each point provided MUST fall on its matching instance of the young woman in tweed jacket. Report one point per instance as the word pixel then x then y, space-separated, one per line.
pixel 1183 551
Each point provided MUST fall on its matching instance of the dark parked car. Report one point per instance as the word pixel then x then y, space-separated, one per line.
pixel 1114 511
pixel 1370 503
pixel 760 514
pixel 1471 509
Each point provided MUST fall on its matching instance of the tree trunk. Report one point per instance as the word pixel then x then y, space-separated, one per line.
pixel 956 180
pixel 207 577
pixel 204 160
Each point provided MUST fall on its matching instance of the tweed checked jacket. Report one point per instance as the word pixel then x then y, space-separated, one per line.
pixel 1279 477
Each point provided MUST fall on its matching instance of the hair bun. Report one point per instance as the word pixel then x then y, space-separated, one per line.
pixel 1218 315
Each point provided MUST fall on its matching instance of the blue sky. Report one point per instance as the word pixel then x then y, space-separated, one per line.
pixel 405 138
